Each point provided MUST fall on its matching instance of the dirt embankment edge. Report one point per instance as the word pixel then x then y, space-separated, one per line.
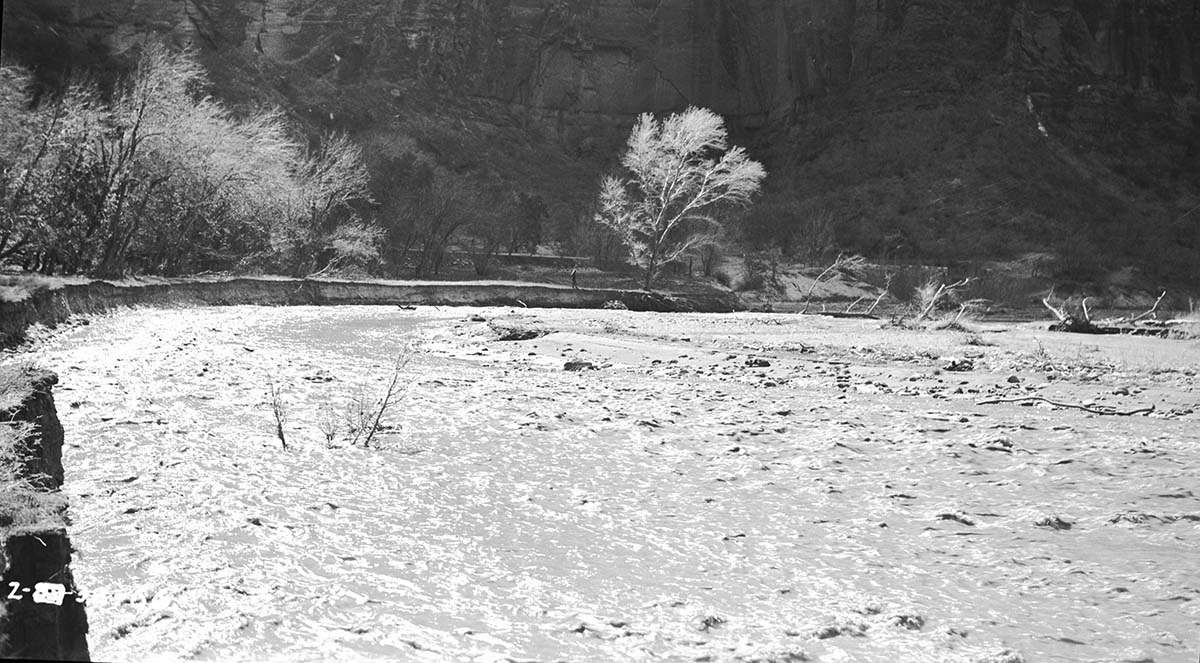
pixel 32 624
pixel 54 305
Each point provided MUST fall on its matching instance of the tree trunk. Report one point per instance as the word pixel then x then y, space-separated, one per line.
pixel 651 268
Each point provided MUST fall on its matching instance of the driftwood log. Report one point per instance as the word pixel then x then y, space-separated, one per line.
pixel 1077 318
pixel 942 291
pixel 1094 409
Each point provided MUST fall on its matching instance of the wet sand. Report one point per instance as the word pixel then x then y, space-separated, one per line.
pixel 743 487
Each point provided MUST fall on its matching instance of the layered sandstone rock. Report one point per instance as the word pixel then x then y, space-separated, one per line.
pixel 742 57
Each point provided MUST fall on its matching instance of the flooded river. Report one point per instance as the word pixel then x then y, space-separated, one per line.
pixel 721 488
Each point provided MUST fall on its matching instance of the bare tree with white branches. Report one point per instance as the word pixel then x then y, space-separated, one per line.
pixel 680 170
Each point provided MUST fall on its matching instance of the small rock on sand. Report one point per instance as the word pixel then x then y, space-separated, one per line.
pixel 1053 522
pixel 748 653
pixel 1005 656
pixel 958 517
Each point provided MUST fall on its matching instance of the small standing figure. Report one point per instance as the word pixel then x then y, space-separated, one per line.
pixel 574 278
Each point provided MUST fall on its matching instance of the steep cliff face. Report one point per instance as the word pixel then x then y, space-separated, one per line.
pixel 863 101
pixel 608 57
pixel 742 57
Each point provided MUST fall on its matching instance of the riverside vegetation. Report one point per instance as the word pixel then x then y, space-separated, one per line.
pixel 1066 132
pixel 142 172
pixel 153 176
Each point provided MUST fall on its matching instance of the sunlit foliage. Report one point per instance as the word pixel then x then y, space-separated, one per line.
pixel 156 177
pixel 680 170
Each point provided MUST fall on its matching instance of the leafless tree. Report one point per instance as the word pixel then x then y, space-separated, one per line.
pixel 153 175
pixel 364 413
pixel 279 410
pixel 679 170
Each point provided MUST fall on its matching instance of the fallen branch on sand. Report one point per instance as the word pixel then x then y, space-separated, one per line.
pixel 1077 317
pixel 887 286
pixel 1129 320
pixel 1077 406
pixel 932 295
pixel 842 263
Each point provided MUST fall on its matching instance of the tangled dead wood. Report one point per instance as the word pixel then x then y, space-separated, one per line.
pixel 932 295
pixel 1076 317
pixel 842 263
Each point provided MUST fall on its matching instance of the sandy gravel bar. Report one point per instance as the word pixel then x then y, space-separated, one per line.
pixel 741 487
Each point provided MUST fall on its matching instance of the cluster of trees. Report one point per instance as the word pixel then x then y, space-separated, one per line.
pixel 794 228
pixel 425 210
pixel 149 175
pixel 154 177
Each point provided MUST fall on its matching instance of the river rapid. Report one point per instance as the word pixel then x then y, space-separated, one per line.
pixel 720 488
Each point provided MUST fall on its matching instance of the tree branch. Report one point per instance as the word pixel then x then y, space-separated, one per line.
pixel 1076 406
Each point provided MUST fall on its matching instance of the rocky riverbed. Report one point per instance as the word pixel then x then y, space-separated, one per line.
pixel 742 487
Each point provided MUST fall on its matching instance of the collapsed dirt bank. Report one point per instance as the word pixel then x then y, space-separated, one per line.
pixel 52 306
pixel 40 616
pixel 744 487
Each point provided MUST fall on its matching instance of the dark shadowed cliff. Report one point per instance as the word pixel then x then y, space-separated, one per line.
pixel 941 129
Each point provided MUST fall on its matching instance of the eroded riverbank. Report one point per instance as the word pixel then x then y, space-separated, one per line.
pixel 740 487
pixel 30 304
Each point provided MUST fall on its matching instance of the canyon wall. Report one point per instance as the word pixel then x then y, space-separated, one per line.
pixel 623 57
pixel 926 127
pixel 600 57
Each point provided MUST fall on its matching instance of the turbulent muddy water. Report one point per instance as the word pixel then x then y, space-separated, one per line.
pixel 722 488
